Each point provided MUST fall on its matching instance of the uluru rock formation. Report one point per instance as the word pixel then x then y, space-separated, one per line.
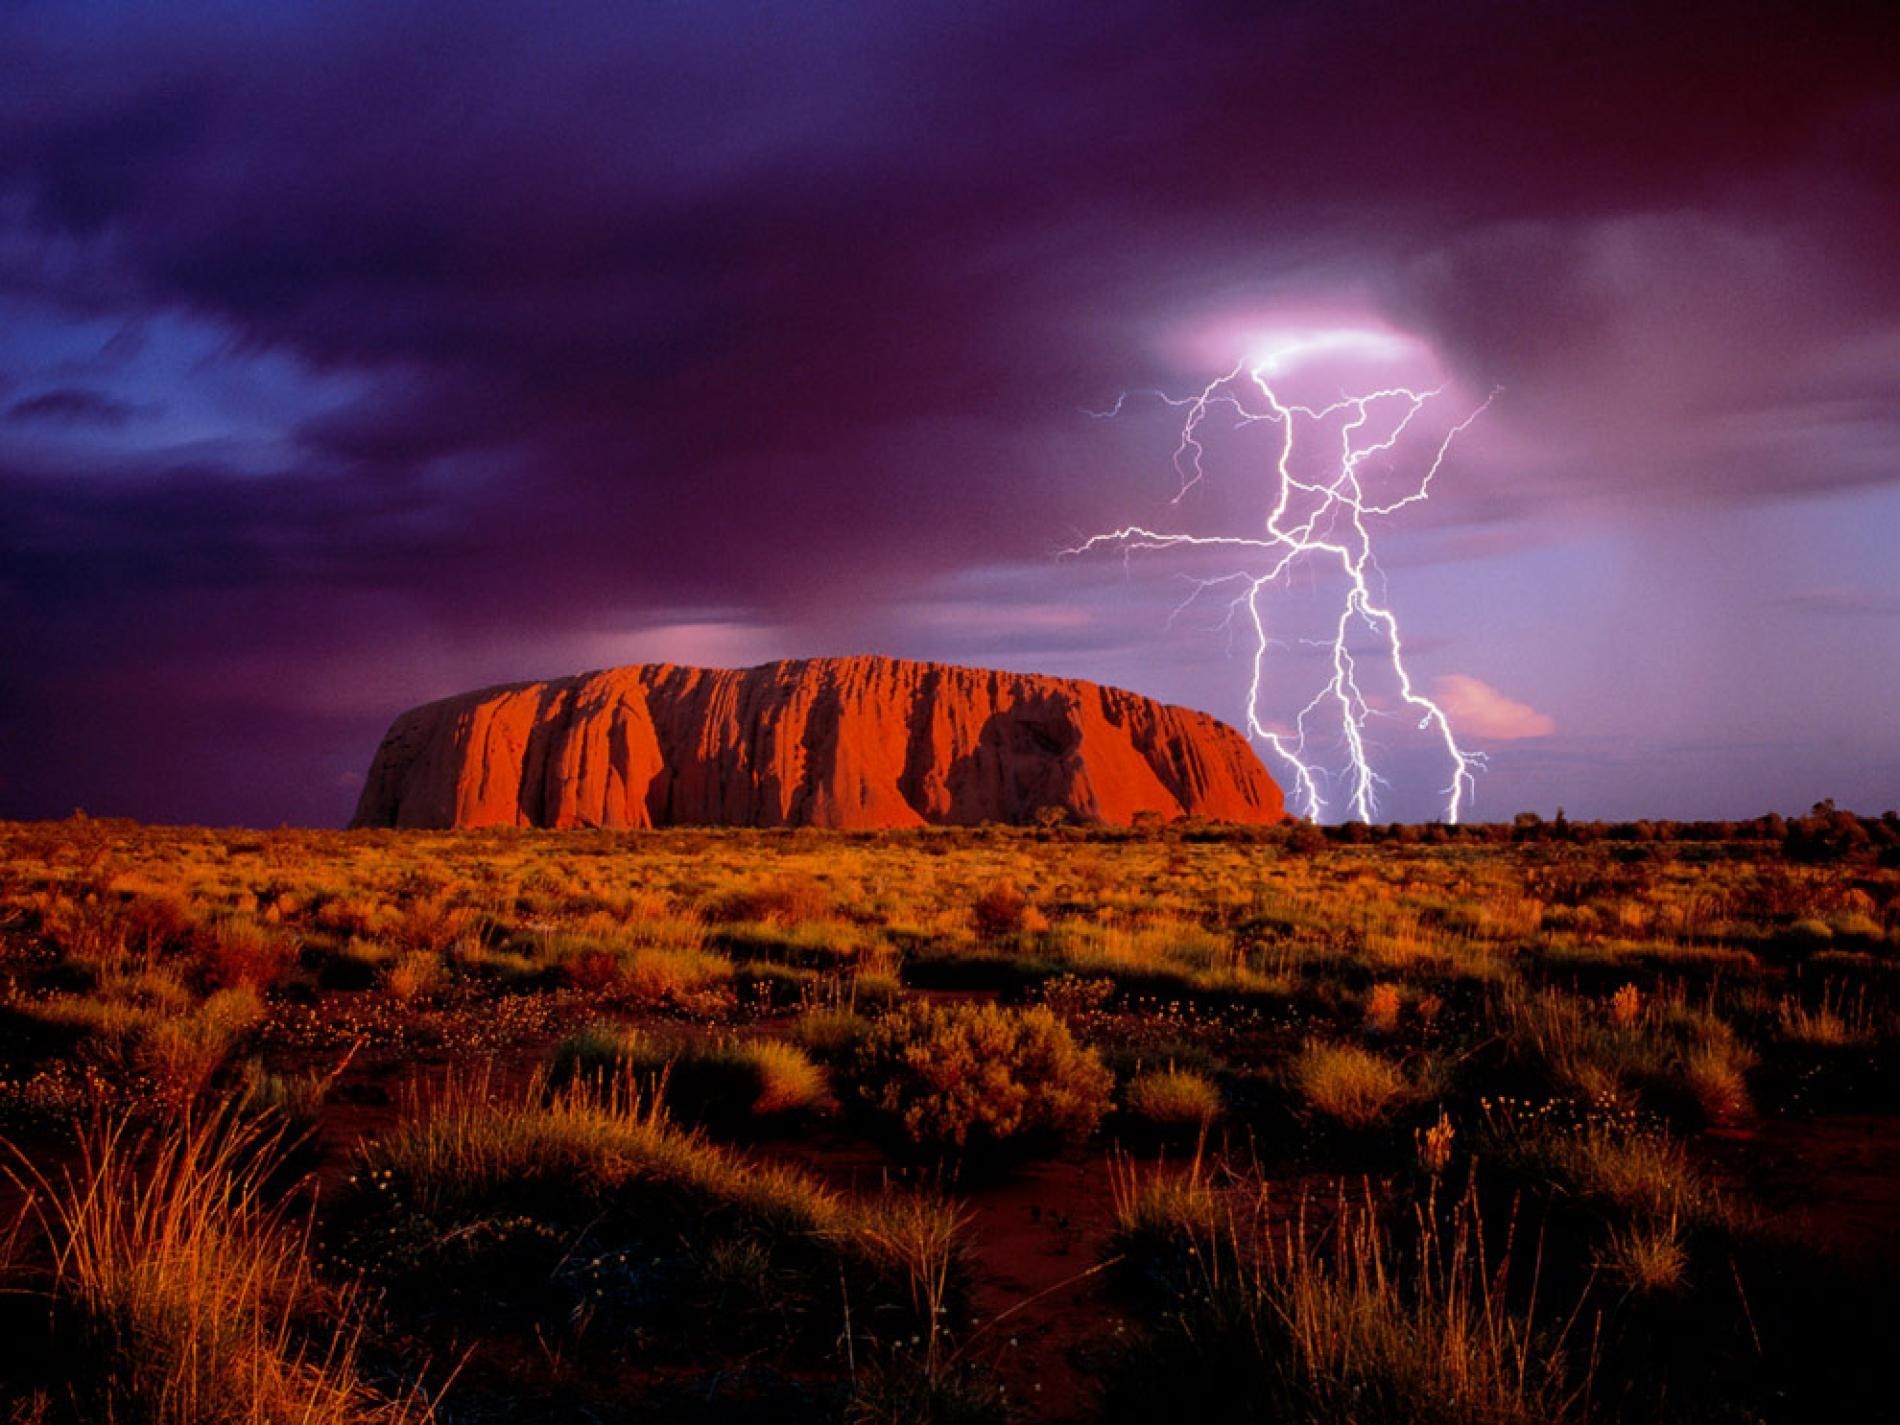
pixel 831 742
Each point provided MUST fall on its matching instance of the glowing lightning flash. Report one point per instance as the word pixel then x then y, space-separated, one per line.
pixel 1331 526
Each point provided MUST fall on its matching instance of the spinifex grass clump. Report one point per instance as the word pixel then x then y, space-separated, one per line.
pixel 1665 1054
pixel 179 1294
pixel 980 1080
pixel 568 1208
pixel 1171 1099
pixel 725 1081
pixel 1838 1020
pixel 830 1035
pixel 1335 1315
pixel 1349 1086
pixel 150 1036
pixel 1162 1213
pixel 1620 1167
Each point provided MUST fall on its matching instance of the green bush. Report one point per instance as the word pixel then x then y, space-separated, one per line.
pixel 980 1078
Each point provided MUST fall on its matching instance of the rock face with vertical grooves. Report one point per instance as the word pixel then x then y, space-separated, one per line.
pixel 830 742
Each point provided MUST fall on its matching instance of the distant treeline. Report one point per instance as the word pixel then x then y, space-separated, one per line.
pixel 1825 834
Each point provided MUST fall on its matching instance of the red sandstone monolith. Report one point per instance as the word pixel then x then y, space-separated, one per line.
pixel 830 742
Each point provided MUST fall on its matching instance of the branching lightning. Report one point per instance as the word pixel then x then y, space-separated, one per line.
pixel 1327 521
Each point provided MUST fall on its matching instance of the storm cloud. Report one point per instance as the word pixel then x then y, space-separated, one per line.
pixel 353 354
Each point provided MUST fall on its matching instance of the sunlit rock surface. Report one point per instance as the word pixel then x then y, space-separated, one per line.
pixel 833 742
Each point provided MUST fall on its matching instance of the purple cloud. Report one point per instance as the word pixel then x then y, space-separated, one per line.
pixel 71 405
pixel 474 336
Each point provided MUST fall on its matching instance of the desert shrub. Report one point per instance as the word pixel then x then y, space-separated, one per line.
pixel 1129 1056
pixel 902 1385
pixel 621 965
pixel 1003 910
pixel 1382 1008
pixel 789 1082
pixel 764 986
pixel 602 1049
pixel 1347 1085
pixel 786 901
pixel 1714 1075
pixel 298 1097
pixel 432 925
pixel 1574 1049
pixel 241 951
pixel 182 1054
pixel 1159 953
pixel 874 991
pixel 106 933
pixel 88 933
pixel 1160 1211
pixel 1810 933
pixel 592 969
pixel 926 1377
pixel 1171 1098
pixel 1856 927
pixel 1705 1073
pixel 357 965
pixel 1433 1146
pixel 979 1078
pixel 1838 1020
pixel 809 944
pixel 1626 1007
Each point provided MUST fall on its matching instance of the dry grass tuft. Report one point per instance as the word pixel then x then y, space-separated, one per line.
pixel 1350 1322
pixel 1172 1098
pixel 1348 1085
pixel 702 1079
pixel 187 1292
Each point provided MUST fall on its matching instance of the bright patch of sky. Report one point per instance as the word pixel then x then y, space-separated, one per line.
pixel 122 395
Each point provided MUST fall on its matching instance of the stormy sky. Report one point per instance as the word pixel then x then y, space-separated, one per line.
pixel 353 354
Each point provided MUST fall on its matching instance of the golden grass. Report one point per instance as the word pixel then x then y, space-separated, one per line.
pixel 1638 977
pixel 172 1272
pixel 1607 1158
pixel 1348 1085
pixel 1647 1256
pixel 463 1148
pixel 1840 1019
pixel 1340 1317
pixel 1172 1098
pixel 149 1026
pixel 758 1078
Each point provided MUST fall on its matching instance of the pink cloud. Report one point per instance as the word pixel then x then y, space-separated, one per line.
pixel 1480 710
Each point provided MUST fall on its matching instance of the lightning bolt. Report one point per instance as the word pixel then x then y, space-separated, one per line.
pixel 1326 521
